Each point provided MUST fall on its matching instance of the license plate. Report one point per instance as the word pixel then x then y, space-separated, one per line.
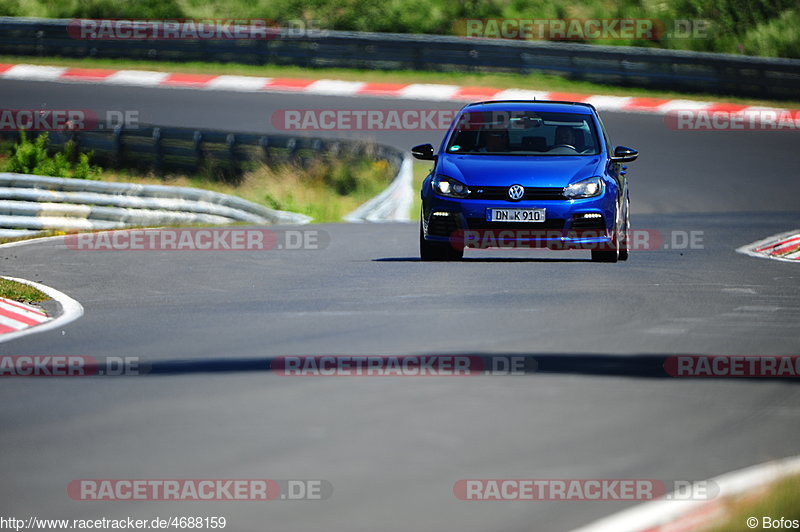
pixel 515 215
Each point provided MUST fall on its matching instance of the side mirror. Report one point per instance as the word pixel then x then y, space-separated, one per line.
pixel 424 152
pixel 623 154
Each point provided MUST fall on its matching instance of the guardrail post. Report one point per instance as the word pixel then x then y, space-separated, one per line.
pixel 765 85
pixel 157 162
pixel 316 145
pixel 197 145
pixel 291 149
pixel 230 145
pixel 573 70
pixel 623 71
pixel 334 149
pixel 263 143
pixel 40 46
pixel 75 138
pixel 417 61
pixel 262 50
pixel 116 140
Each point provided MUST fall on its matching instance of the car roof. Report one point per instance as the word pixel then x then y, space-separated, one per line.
pixel 531 105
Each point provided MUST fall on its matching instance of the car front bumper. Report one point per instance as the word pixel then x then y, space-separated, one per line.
pixel 462 222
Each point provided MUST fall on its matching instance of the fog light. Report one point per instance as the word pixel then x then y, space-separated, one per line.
pixel 440 213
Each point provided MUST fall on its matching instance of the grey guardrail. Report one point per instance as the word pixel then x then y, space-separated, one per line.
pixel 226 155
pixel 394 203
pixel 30 203
pixel 621 65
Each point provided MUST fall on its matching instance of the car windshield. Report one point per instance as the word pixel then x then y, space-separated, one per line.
pixel 523 133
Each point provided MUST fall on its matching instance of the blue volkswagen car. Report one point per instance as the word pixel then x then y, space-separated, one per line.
pixel 525 174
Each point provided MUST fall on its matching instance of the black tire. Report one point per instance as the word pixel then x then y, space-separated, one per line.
pixel 625 238
pixel 437 251
pixel 610 252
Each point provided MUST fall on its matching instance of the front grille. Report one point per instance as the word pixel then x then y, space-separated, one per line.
pixel 501 193
pixel 479 224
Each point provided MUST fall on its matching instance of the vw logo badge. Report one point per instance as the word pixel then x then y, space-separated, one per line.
pixel 515 192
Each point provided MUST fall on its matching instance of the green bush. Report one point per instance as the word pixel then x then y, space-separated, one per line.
pixel 394 16
pixel 33 157
pixel 138 9
pixel 733 16
pixel 9 8
pixel 778 37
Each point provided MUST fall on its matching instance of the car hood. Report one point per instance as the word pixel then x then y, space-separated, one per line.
pixel 530 171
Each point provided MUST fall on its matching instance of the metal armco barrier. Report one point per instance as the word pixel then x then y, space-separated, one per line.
pixel 33 203
pixel 30 203
pixel 620 65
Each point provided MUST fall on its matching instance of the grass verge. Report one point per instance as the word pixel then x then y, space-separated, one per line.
pixel 779 500
pixel 20 292
pixel 543 82
pixel 326 191
pixel 39 234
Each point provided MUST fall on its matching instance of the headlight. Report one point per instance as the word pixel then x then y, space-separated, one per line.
pixel 586 188
pixel 447 186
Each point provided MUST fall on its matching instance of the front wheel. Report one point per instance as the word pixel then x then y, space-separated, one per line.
pixel 625 237
pixel 437 251
pixel 610 252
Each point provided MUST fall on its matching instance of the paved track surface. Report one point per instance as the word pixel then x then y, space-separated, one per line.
pixel 393 447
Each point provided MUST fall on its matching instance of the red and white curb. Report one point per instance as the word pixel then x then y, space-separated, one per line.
pixel 15 316
pixel 333 87
pixel 686 516
pixel 785 247
pixel 17 319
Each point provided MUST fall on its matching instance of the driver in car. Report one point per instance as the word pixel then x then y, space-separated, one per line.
pixel 566 135
pixel 495 141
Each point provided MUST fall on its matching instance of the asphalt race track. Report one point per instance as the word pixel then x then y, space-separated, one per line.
pixel 393 447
